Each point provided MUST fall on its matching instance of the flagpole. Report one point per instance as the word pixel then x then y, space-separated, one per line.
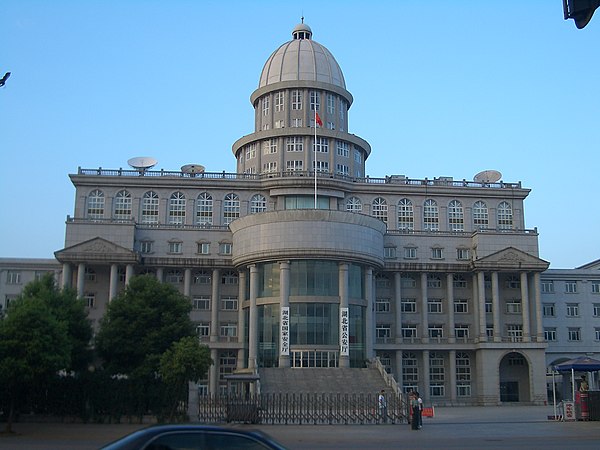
pixel 315 156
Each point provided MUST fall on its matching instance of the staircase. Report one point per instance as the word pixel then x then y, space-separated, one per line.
pixel 333 380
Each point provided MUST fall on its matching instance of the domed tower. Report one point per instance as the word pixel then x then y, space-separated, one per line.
pixel 299 78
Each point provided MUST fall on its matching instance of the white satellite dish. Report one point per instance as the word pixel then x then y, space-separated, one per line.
pixel 487 176
pixel 142 163
pixel 192 168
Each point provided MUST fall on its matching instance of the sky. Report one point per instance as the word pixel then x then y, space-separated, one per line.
pixel 441 88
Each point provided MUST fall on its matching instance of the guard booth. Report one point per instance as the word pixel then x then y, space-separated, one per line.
pixel 243 397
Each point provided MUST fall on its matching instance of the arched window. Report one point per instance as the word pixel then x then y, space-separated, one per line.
pixel 353 204
pixel 95 204
pixel 431 217
pixel 456 217
pixel 406 215
pixel 231 208
pixel 258 203
pixel 505 216
pixel 123 205
pixel 177 209
pixel 150 204
pixel 204 209
pixel 480 216
pixel 380 209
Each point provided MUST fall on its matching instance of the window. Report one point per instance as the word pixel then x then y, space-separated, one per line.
pixel 410 370
pixel 294 144
pixel 95 204
pixel 458 281
pixel 380 209
pixel 571 287
pixel 357 156
pixel 505 216
pixel 342 169
pixel 225 248
pixel 548 286
pixel 174 276
pixel 265 106
pixel 90 300
pixel 436 331
pixel 292 166
pixel 321 166
pixel 409 331
pixel 342 148
pixel 430 216
pixel 258 203
pixel 455 216
pixel 480 216
pixel 175 247
pixel 383 331
pixel 549 310
pixel 437 374
pixel 408 305
pixel 463 374
pixel 489 307
pixel 201 302
pixel 410 252
pixel 330 125
pixel 461 306
pixel 229 330
pixel 296 100
pixel 461 331
pixel 597 334
pixel 354 205
pixel 231 208
pixel 250 151
pixel 382 281
pixel 382 305
pixel 279 123
pixel 572 309
pixel 279 101
pixel 407 281
pixel 315 101
pixel 202 277
pixel 123 205
pixel 515 333
pixel 229 303
pixel 434 305
pixel 146 246
pixel 595 287
pixel 229 277
pixel 437 253
pixel 204 248
pixel 177 209
pixel 513 282
pixel 434 281
pixel 574 334
pixel 13 277
pixel 596 309
pixel 463 254
pixel 204 209
pixel 203 330
pixel 269 146
pixel 330 104
pixel 150 204
pixel 406 215
pixel 389 252
pixel 513 306
pixel 90 274
pixel 550 334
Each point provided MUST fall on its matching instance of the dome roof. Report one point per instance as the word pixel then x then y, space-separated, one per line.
pixel 302 59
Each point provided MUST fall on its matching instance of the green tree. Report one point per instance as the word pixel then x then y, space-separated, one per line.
pixel 140 325
pixel 185 361
pixel 67 308
pixel 34 345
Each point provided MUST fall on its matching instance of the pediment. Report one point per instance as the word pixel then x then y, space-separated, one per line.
pixel 511 258
pixel 594 265
pixel 96 249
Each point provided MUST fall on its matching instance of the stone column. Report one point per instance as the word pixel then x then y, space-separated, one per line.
pixel 214 305
pixel 114 277
pixel 80 279
pixel 187 282
pixel 538 307
pixel 344 360
pixel 253 325
pixel 424 310
pixel 450 295
pixel 496 307
pixel 525 307
pixel 241 360
pixel 369 316
pixel 128 273
pixel 213 373
pixel 66 276
pixel 425 393
pixel 398 307
pixel 284 302
pixel 452 369
pixel 160 274
pixel 398 376
pixel 481 300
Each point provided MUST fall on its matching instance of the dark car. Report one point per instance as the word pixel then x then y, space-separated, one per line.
pixel 193 437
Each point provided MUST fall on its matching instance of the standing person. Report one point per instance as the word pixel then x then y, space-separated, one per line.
pixel 414 411
pixel 583 387
pixel 382 403
pixel 420 409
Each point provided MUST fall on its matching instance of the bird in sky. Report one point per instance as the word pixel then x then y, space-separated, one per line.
pixel 4 78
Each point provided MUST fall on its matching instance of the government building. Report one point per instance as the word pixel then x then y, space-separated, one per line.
pixel 300 260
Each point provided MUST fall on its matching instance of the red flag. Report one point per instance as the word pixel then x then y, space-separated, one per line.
pixel 318 119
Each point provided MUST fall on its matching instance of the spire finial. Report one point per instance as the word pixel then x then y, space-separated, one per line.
pixel 302 18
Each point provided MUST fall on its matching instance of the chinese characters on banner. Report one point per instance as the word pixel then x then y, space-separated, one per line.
pixel 344 332
pixel 284 348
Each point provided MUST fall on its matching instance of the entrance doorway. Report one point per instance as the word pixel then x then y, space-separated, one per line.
pixel 509 391
pixel 314 358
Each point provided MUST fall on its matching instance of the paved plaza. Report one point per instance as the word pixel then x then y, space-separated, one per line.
pixel 515 427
